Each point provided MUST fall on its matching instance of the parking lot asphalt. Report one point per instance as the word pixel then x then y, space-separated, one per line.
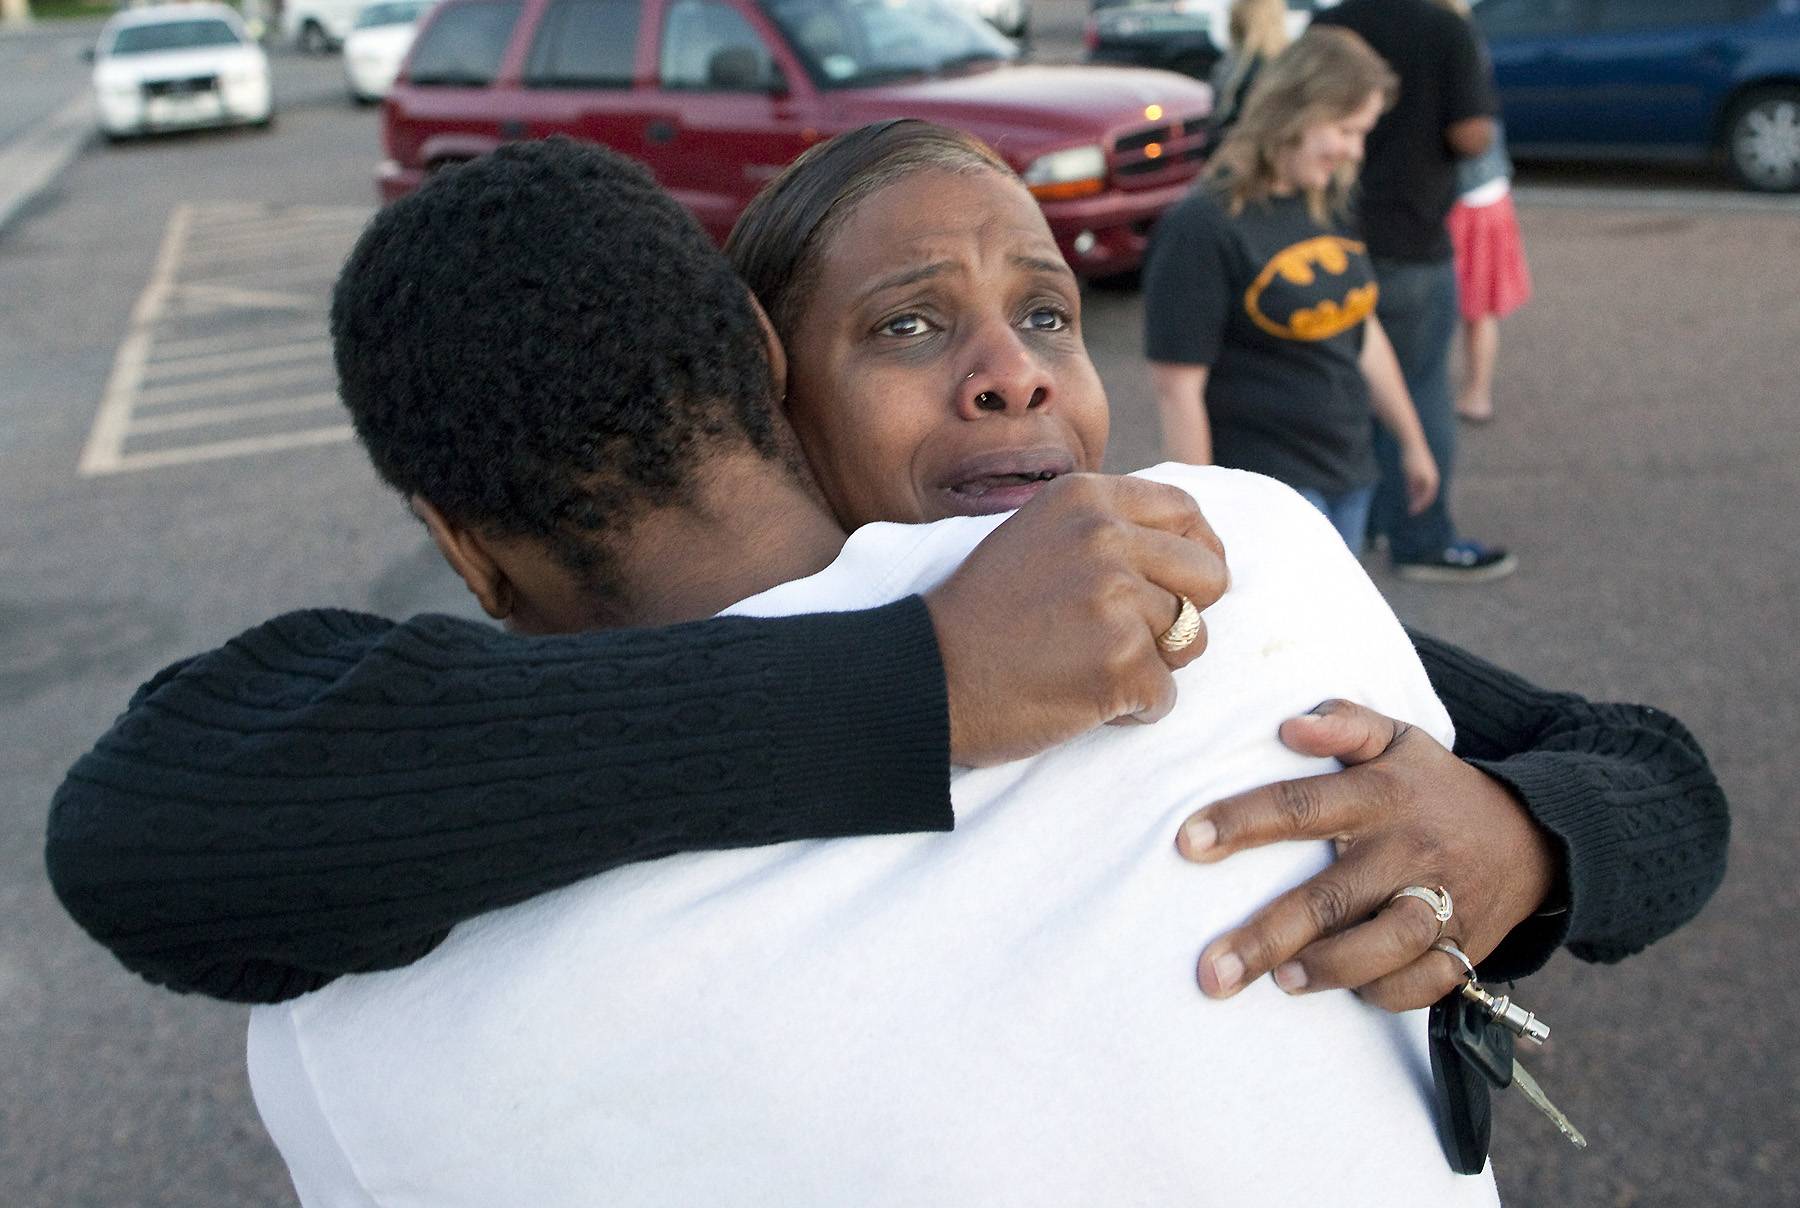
pixel 1645 464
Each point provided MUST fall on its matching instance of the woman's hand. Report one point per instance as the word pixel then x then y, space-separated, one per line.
pixel 1049 628
pixel 1420 470
pixel 1404 811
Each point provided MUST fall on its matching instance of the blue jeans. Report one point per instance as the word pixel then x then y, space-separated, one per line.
pixel 1348 513
pixel 1419 312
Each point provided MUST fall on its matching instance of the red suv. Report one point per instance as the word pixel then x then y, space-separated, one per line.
pixel 717 95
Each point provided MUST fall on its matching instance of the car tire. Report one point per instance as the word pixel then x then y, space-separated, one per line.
pixel 1762 140
pixel 314 40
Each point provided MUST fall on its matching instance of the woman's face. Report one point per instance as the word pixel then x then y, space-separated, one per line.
pixel 937 368
pixel 1326 146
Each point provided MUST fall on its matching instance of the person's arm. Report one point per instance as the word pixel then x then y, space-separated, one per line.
pixel 1468 92
pixel 1393 407
pixel 1187 288
pixel 1181 403
pixel 1470 137
pixel 1625 789
pixel 331 792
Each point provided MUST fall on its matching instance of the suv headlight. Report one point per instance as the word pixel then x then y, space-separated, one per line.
pixel 1072 172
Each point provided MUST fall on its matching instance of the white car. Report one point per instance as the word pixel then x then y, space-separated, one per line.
pixel 1010 17
pixel 175 66
pixel 379 41
pixel 319 26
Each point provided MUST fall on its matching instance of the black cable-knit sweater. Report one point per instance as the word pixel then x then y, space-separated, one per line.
pixel 331 792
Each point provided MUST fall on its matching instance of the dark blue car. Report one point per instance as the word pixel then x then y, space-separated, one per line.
pixel 1652 79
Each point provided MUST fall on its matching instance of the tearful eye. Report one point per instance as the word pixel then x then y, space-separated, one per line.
pixel 905 325
pixel 1046 318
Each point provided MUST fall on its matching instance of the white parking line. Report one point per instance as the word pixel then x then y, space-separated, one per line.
pixel 208 299
pixel 177 420
pixel 311 350
pixel 106 442
pixel 255 338
pixel 235 448
pixel 227 343
pixel 240 383
pixel 230 247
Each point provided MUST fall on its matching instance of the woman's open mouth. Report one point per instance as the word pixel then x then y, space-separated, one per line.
pixel 1000 482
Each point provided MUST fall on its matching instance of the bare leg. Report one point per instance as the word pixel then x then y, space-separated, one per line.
pixel 1481 345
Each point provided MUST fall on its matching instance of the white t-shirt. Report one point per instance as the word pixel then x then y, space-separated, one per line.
pixel 1003 1015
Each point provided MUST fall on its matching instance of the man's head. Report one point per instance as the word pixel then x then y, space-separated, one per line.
pixel 541 347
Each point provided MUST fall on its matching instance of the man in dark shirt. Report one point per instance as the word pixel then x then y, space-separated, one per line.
pixel 1444 113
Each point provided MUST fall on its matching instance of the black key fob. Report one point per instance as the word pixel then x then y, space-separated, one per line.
pixel 1465 1111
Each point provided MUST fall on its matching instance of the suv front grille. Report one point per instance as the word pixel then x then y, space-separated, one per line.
pixel 1151 154
pixel 183 87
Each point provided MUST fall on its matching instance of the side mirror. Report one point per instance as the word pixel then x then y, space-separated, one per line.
pixel 87 54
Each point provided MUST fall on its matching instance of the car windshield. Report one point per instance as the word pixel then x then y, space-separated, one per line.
pixel 172 35
pixel 849 42
pixel 401 12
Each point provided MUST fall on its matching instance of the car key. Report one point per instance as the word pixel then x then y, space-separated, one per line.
pixel 1463 1100
pixel 1487 1045
pixel 1471 1035
pixel 1507 1013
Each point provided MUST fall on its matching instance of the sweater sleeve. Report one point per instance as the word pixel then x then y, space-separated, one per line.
pixel 1625 790
pixel 331 792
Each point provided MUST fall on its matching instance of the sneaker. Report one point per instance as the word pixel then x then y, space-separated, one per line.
pixel 1464 562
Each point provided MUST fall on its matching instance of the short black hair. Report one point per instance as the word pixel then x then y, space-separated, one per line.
pixel 544 343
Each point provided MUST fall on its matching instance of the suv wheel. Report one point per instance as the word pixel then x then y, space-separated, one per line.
pixel 1762 140
pixel 313 39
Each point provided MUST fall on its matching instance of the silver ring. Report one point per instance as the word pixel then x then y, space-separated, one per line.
pixel 1181 634
pixel 1449 948
pixel 1438 899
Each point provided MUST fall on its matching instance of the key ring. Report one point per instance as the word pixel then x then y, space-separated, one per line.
pixel 1449 949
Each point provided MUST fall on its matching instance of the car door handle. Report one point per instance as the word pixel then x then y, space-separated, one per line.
pixel 660 132
pixel 512 129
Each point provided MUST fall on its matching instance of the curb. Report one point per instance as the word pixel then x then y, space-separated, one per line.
pixel 1720 200
pixel 70 29
pixel 32 161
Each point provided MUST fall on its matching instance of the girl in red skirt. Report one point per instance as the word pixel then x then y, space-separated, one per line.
pixel 1492 280
pixel 1491 276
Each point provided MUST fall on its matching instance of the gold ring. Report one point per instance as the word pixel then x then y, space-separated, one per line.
pixel 1181 634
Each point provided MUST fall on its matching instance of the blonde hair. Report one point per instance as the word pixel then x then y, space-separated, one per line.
pixel 1258 27
pixel 1325 76
pixel 1258 33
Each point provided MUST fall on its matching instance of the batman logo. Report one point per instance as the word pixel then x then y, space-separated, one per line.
pixel 1299 295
